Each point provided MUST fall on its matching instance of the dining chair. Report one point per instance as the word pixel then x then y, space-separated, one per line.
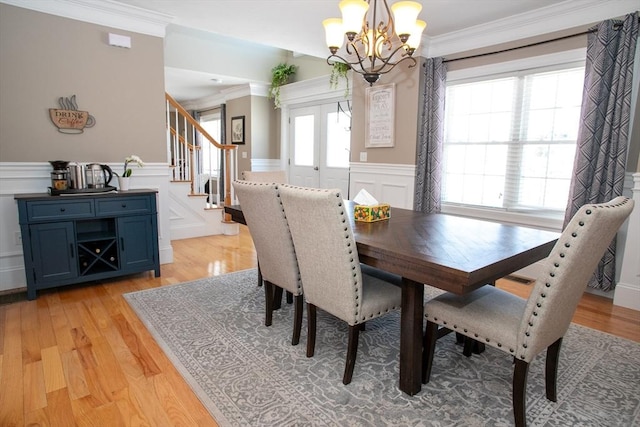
pixel 279 176
pixel 330 269
pixel 525 327
pixel 276 255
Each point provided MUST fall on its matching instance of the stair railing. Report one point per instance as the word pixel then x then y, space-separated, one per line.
pixel 185 155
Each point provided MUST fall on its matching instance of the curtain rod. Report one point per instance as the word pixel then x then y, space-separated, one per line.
pixel 519 47
pixel 616 26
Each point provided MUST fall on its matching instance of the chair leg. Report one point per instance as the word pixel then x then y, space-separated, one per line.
pixel 259 276
pixel 311 329
pixel 297 319
pixel 352 351
pixel 467 350
pixel 428 349
pixel 520 392
pixel 289 297
pixel 268 297
pixel 277 297
pixel 551 370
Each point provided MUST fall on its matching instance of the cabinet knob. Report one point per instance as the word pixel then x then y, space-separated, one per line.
pixel 124 205
pixel 97 250
pixel 62 209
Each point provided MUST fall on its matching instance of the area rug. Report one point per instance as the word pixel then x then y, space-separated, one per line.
pixel 247 374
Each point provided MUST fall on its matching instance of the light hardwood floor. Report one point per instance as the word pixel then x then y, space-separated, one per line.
pixel 79 355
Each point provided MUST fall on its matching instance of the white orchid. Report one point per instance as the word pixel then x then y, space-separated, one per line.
pixel 131 159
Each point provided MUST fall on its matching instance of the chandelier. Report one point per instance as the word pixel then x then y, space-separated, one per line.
pixel 377 40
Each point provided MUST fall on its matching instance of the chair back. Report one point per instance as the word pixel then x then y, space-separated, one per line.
pixel 326 249
pixel 279 177
pixel 566 272
pixel 270 232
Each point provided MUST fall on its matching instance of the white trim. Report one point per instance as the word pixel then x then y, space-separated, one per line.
pixel 312 90
pixel 104 12
pixel 264 165
pixel 235 92
pixel 627 292
pixel 545 20
pixel 388 183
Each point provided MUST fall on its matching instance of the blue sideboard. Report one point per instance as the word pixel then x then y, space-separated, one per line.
pixel 85 237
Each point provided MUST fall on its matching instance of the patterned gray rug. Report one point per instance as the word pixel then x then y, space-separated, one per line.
pixel 247 374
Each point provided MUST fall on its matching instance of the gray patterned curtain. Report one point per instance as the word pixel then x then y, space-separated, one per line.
pixel 430 138
pixel 603 135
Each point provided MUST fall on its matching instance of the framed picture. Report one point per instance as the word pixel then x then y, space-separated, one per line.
pixel 380 108
pixel 237 130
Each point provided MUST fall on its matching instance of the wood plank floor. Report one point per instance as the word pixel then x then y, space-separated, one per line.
pixel 79 356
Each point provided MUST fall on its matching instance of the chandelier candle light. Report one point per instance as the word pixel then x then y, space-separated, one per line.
pixel 370 38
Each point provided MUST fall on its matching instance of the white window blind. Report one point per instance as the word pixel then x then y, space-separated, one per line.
pixel 510 140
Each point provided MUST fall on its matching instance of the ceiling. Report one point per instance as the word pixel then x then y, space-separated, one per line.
pixel 296 25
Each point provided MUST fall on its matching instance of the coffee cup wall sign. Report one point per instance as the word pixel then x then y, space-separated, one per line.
pixel 68 119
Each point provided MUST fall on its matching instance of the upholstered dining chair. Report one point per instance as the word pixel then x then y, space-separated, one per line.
pixel 279 176
pixel 331 275
pixel 276 255
pixel 525 327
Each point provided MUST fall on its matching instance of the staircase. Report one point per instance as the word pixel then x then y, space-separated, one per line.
pixel 197 196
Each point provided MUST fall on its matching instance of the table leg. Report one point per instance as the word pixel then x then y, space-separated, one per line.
pixel 411 336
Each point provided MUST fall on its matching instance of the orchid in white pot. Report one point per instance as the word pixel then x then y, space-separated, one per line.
pixel 131 159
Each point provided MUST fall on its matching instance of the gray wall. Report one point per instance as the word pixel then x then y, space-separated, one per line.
pixel 45 57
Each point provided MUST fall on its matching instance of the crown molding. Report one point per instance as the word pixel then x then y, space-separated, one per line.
pixel 235 92
pixel 102 12
pixel 561 16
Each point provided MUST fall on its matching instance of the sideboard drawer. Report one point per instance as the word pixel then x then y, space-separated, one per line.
pixel 38 211
pixel 123 205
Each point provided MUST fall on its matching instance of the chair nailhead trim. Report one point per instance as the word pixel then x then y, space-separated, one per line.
pixel 499 345
pixel 548 285
pixel 538 305
pixel 510 350
pixel 588 211
pixel 567 245
pixel 581 223
pixel 556 264
pixel 561 255
pixel 543 295
pixel 524 345
pixel 552 274
pixel 465 329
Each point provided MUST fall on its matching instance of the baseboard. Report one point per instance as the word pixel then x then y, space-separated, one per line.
pixel 627 296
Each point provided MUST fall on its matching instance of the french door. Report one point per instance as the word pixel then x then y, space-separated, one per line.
pixel 320 139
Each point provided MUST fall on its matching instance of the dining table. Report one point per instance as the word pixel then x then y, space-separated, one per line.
pixel 453 253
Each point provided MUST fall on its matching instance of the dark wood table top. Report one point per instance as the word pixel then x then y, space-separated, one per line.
pixel 449 252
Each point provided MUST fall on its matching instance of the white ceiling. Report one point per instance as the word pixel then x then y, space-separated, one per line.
pixel 296 25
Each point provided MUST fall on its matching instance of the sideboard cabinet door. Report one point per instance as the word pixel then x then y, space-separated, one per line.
pixel 54 251
pixel 136 242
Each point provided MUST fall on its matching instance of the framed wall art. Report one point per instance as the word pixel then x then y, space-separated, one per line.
pixel 380 108
pixel 237 130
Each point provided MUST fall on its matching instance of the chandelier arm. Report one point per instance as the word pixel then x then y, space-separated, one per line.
pixel 386 62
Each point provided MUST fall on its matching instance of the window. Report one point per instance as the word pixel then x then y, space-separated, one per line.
pixel 510 139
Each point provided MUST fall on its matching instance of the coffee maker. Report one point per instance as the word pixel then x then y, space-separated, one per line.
pixel 74 177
